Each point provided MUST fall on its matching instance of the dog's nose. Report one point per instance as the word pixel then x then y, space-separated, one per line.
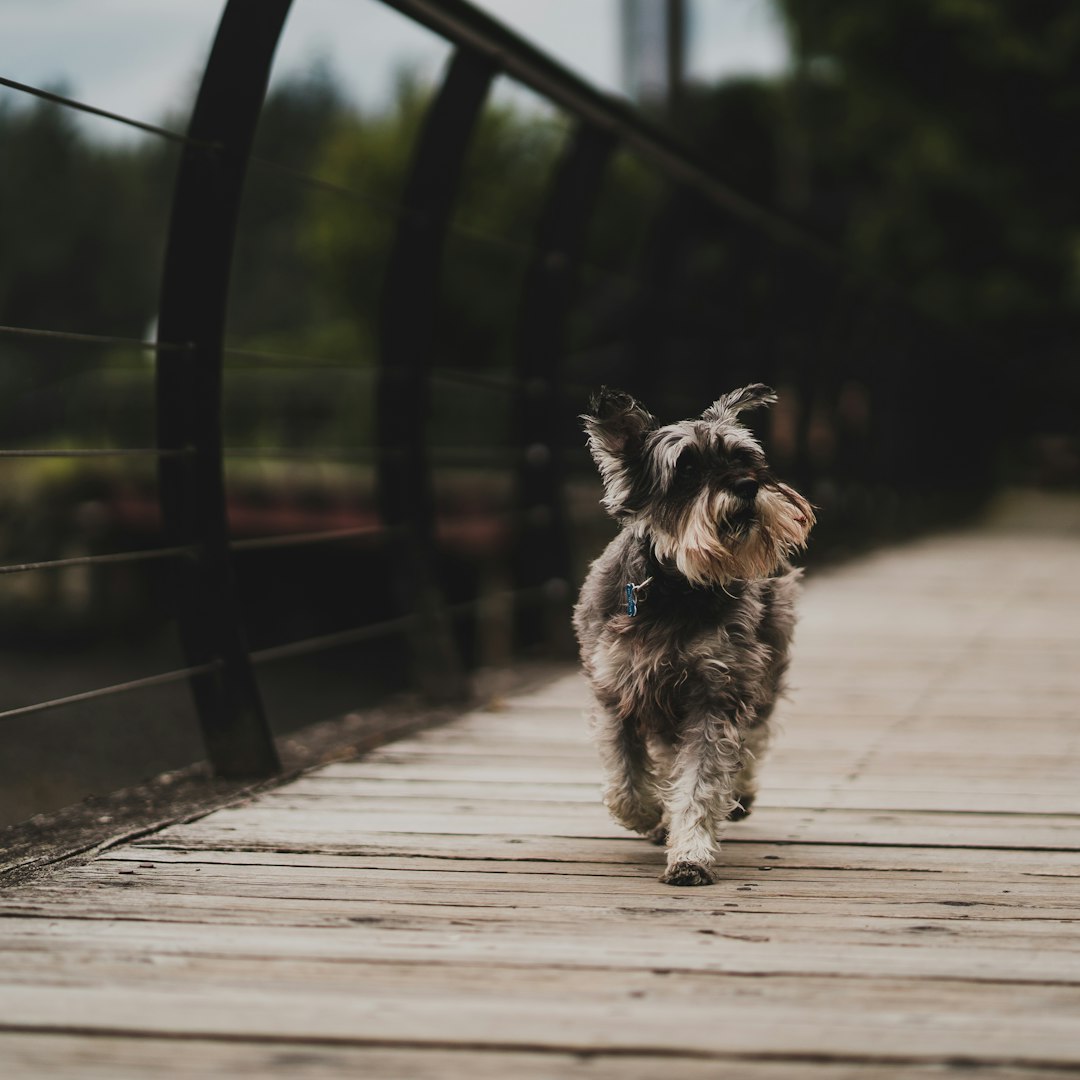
pixel 746 488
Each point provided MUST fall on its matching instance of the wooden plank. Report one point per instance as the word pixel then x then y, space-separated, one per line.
pixel 899 750
pixel 863 795
pixel 1034 896
pixel 558 946
pixel 700 1017
pixel 987 910
pixel 435 767
pixel 337 828
pixel 1017 866
pixel 105 1057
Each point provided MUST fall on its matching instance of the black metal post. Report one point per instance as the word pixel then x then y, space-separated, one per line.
pixel 407 335
pixel 653 314
pixel 543 554
pixel 675 43
pixel 194 288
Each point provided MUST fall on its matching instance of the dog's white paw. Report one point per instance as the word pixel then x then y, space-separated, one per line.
pixel 688 873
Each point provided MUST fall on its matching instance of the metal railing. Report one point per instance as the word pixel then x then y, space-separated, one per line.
pixel 677 328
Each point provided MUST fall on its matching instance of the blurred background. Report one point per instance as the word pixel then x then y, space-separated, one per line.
pixel 922 150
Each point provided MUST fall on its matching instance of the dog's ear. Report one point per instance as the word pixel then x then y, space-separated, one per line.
pixel 616 426
pixel 728 406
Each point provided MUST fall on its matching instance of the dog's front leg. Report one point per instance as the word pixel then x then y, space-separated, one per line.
pixel 630 792
pixel 700 796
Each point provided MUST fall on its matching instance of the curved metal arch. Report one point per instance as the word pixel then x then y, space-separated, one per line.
pixel 194 292
pixel 543 557
pixel 407 341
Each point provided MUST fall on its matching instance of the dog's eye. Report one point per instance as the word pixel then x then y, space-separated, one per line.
pixel 688 467
pixel 744 459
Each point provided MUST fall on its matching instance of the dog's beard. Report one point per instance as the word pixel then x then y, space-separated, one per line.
pixel 719 538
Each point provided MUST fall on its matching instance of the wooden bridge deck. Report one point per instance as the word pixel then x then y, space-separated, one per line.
pixel 905 900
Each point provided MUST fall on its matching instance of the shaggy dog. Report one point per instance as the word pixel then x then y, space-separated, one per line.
pixel 685 620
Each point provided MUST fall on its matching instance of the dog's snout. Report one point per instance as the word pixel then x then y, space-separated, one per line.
pixel 746 488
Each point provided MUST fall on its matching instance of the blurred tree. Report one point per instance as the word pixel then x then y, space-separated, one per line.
pixel 81 233
pixel 930 141
pixel 945 122
pixel 939 153
pixel 276 297
pixel 349 239
pixel 77 233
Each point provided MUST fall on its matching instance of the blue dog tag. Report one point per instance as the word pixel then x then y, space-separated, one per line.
pixel 631 600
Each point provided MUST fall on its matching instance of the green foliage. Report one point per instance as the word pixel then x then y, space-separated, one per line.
pixel 940 148
pixel 82 230
pixel 348 238
pixel 79 227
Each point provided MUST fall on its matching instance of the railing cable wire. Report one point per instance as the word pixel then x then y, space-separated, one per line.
pixel 95 339
pixel 93 110
pixel 102 452
pixel 109 691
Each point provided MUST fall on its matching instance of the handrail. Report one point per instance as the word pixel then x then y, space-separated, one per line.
pixel 407 318
pixel 467 27
pixel 543 553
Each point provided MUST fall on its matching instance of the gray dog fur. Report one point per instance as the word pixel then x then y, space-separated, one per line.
pixel 685 685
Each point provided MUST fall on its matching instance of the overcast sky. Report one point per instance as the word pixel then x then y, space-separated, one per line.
pixel 140 57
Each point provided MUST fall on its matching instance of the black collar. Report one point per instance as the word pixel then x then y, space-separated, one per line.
pixel 658 584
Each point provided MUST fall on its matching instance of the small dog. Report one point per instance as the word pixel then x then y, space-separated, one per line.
pixel 685 620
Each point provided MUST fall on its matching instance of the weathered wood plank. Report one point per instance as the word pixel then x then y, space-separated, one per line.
pixel 1017 865
pixel 842 919
pixel 714 1016
pixel 742 944
pixel 870 890
pixel 107 1057
pixel 269 827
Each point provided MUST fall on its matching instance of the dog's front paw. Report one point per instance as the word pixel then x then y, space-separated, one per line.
pixel 688 873
pixel 658 836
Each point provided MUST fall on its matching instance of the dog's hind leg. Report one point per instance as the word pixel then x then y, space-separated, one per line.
pixel 746 784
pixel 662 755
pixel 700 797
pixel 630 791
